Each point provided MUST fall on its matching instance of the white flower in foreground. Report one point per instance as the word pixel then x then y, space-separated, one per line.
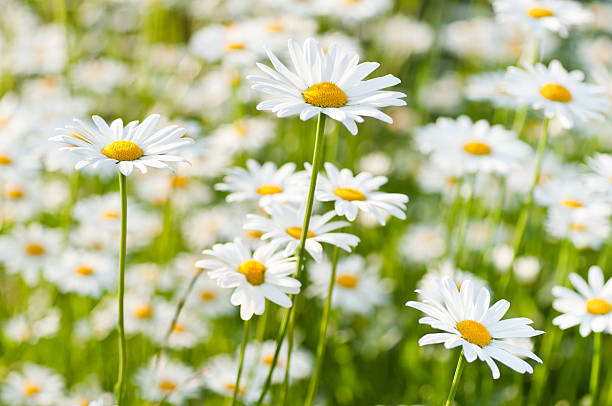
pixel 353 193
pixel 540 16
pixel 256 276
pixel 472 147
pixel 133 146
pixel 264 183
pixel 34 386
pixel 284 228
pixel 590 307
pixel 169 381
pixel 325 82
pixel 559 93
pixel 469 322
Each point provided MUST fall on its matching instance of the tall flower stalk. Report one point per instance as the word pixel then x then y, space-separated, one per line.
pixel 120 385
pixel 245 339
pixel 456 379
pixel 595 365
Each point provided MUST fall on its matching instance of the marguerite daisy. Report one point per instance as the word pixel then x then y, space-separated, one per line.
pixel 469 322
pixel 133 146
pixel 353 193
pixel 590 307
pixel 256 276
pixel 559 93
pixel 285 229
pixel 325 82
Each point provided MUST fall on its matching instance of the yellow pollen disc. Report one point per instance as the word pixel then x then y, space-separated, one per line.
pixel 178 328
pixel 84 403
pixel 240 129
pixel 556 93
pixel 572 204
pixel 4 160
pixel 539 12
pixel 325 94
pixel 350 194
pixel 598 306
pixel 84 270
pixel 235 46
pixel 179 182
pixel 296 232
pixel 35 249
pixel 477 148
pixel 143 312
pixel 167 386
pixel 254 234
pixel 268 360
pixel 122 151
pixel 577 227
pixel 451 180
pixel 254 271
pixel 230 387
pixel 15 193
pixel 276 27
pixel 347 281
pixel 269 189
pixel 207 296
pixel 474 332
pixel 31 389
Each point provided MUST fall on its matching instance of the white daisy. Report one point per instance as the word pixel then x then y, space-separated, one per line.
pixel 260 355
pixel 256 276
pixel 85 273
pixel 590 307
pixel 566 194
pixel 219 376
pixel 585 227
pixel 469 322
pixel 264 183
pixel 168 381
pixel 330 83
pixel 472 147
pixel 490 86
pixel 284 227
pixel 133 146
pixel 428 284
pixel 600 178
pixel 423 242
pixel 209 299
pixel 353 193
pixel 559 93
pixel 540 16
pixel 35 385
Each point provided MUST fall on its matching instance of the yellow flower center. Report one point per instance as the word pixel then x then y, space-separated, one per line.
pixel 4 160
pixel 350 194
pixel 110 215
pixel 254 234
pixel 179 182
pixel 240 129
pixel 207 296
pixel 122 151
pixel 325 94
pixel 276 27
pixel 178 328
pixel 572 204
pixel 539 12
pixel 34 249
pixel 167 386
pixel 143 312
pixel 556 93
pixel 15 193
pixel 269 189
pixel 254 271
pixel 268 360
pixel 598 306
pixel 31 389
pixel 477 148
pixel 577 227
pixel 235 46
pixel 347 281
pixel 474 332
pixel 230 387
pixel 84 270
pixel 296 232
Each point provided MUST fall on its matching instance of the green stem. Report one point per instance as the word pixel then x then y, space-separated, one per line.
pixel 120 386
pixel 456 378
pixel 467 208
pixel 594 382
pixel 316 165
pixel 285 388
pixel 312 387
pixel 524 216
pixel 450 221
pixel 245 339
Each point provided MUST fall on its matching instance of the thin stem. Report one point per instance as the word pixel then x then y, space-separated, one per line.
pixel 316 165
pixel 524 216
pixel 312 387
pixel 594 382
pixel 456 378
pixel 285 388
pixel 120 386
pixel 245 339
pixel 467 208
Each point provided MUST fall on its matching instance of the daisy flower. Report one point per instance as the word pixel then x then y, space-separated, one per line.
pixel 472 147
pixel 168 381
pixel 353 193
pixel 256 276
pixel 260 355
pixel 133 146
pixel 219 376
pixel 558 93
pixel 600 178
pixel 428 284
pixel 83 272
pixel 35 385
pixel 284 228
pixel 590 307
pixel 209 299
pixel 423 242
pixel 566 194
pixel 264 183
pixel 325 82
pixel 540 16
pixel 585 227
pixel 469 322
